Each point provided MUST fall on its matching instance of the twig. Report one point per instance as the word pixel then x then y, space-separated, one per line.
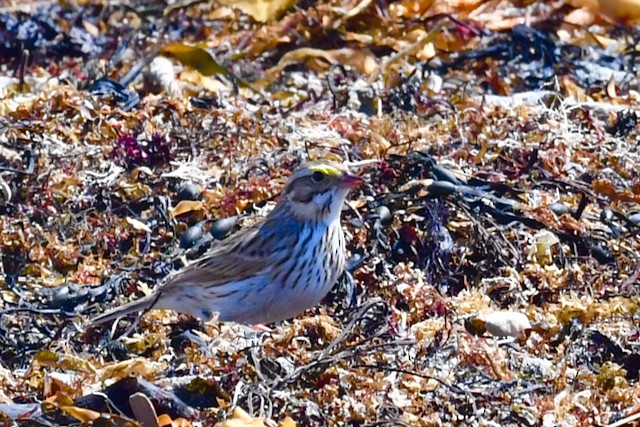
pixel 451 387
pixel 625 420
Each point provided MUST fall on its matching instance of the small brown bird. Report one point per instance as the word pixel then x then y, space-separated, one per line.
pixel 273 270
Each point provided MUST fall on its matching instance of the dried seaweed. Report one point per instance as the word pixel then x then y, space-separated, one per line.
pixel 493 252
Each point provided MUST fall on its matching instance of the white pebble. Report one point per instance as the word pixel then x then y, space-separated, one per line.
pixel 506 323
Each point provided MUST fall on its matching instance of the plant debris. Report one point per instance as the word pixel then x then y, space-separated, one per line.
pixel 498 141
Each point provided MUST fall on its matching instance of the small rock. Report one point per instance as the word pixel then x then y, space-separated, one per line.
pixel 537 367
pixel 559 208
pixel 506 323
pixel 69 296
pixel 161 77
pixel 606 215
pixel 434 83
pixel 385 215
pixel 191 236
pixel 189 191
pixel 634 217
pixel 541 249
pixel 222 227
pixel 549 419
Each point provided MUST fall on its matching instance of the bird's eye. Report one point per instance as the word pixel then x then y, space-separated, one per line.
pixel 317 176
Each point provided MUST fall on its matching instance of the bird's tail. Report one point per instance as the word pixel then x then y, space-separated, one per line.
pixel 132 307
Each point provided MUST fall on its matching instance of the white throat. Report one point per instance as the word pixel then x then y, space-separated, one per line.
pixel 335 199
pixel 327 206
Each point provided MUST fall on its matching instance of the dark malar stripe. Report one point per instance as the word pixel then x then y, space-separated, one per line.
pixel 327 207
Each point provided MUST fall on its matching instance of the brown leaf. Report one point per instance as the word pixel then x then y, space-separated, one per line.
pixel 194 57
pixel 165 420
pixel 239 418
pixel 607 188
pixel 423 8
pixel 186 206
pixel 360 60
pixel 288 422
pixel 139 367
pixel 616 9
pixel 65 361
pixel 261 10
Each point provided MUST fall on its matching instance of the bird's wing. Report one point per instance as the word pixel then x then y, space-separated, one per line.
pixel 243 254
pixel 224 263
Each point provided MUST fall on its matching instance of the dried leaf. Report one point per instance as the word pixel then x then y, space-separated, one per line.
pixel 288 422
pixel 541 249
pixel 165 420
pixel 46 357
pixel 423 8
pixel 358 59
pixel 582 17
pixel 182 4
pixel 607 188
pixel 196 78
pixel 137 367
pixel 261 10
pixel 239 418
pixel 186 206
pixel 194 57
pixel 65 361
pixel 611 88
pixel 616 9
pixel 611 375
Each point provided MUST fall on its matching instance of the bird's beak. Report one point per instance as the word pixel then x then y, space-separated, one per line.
pixel 351 181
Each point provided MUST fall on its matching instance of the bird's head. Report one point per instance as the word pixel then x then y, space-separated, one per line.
pixel 317 190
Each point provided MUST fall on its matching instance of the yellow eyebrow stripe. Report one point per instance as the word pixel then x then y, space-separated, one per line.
pixel 326 169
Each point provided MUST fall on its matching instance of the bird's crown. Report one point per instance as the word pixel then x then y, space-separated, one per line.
pixel 317 189
pixel 325 168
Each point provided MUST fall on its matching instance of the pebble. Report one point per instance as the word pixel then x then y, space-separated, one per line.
pixel 191 236
pixel 222 227
pixel 606 215
pixel 634 217
pixel 386 218
pixel 506 323
pixel 189 191
pixel 559 208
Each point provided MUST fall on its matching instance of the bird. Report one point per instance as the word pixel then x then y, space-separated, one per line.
pixel 274 269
